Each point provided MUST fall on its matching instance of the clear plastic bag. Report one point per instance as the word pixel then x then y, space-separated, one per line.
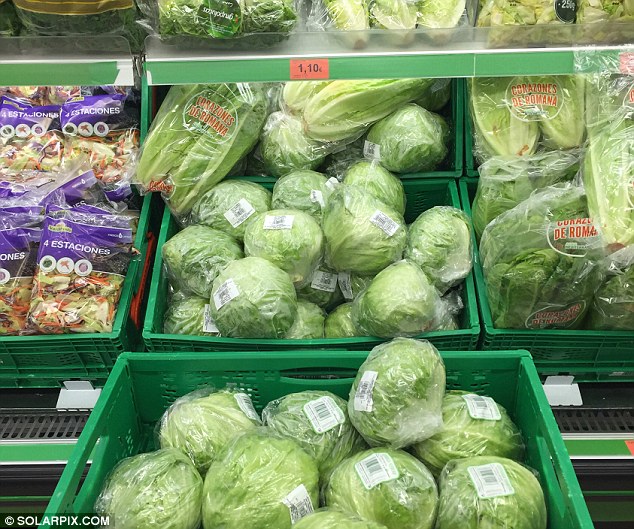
pixel 377 180
pixel 9 24
pixel 189 315
pixel 309 322
pixel 306 191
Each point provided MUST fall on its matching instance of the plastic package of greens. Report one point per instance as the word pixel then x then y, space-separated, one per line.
pixel 323 288
pixel 306 191
pixel 9 24
pixel 189 315
pixel 340 324
pixel 335 519
pixel 378 181
pixel 309 322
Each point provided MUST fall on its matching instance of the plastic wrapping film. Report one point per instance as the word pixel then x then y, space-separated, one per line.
pixel 522 115
pixel 540 261
pixel 262 480
pixel 309 322
pixel 158 489
pixel 386 486
pixel 439 242
pixel 318 421
pixel 189 315
pixel 290 239
pixel 306 191
pixel 252 298
pixel 9 23
pixel 473 425
pixel 505 181
pixel 335 519
pixel 340 324
pixel 196 255
pixel 198 135
pixel 400 301
pixel 323 289
pixel 487 490
pixel 378 181
pixel 203 423
pixel 396 397
pixel 257 23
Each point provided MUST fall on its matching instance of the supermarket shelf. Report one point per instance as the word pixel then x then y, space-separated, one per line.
pixel 50 61
pixel 467 52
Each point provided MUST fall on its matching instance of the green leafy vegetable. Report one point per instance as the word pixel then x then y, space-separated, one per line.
pixel 306 191
pixel 433 14
pixel 397 15
pixel 348 17
pixel 436 96
pixel 333 519
pixel 322 289
pixel 186 315
pixel 309 323
pixel 296 94
pixel 339 323
pixel 378 181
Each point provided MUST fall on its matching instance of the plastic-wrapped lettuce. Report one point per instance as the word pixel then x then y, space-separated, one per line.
pixel 335 519
pixel 9 24
pixel 296 94
pixel 525 13
pixel 317 421
pixel 378 181
pixel 490 491
pixel 439 242
pixel 363 235
pixel 436 96
pixel 400 301
pixel 540 261
pixel 386 486
pixel 156 489
pixel 336 164
pixel 339 323
pixel 613 305
pixel 262 480
pixel 196 255
pixel 306 191
pixel 349 17
pixel 288 238
pixel 505 181
pixel 438 15
pixel 252 298
pixel 352 285
pixel 472 426
pixel 323 289
pixel 410 140
pixel 202 423
pixel 231 206
pixel 592 11
pixel 400 16
pixel 309 322
pixel 284 147
pixel 189 315
pixel 396 398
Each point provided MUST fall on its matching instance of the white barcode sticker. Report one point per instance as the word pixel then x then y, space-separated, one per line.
pixel 324 281
pixel 376 469
pixel 246 405
pixel 227 291
pixel 372 151
pixel 317 197
pixel 299 504
pixel 332 183
pixel 324 414
pixel 381 220
pixel 209 325
pixel 239 212
pixel 363 396
pixel 345 285
pixel 482 407
pixel 491 480
pixel 278 222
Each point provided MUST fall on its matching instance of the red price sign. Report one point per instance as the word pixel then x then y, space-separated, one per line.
pixel 627 63
pixel 630 446
pixel 302 69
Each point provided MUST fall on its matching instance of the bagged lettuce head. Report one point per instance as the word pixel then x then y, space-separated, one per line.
pixel 296 94
pixel 363 235
pixel 155 489
pixel 396 397
pixel 386 486
pixel 323 288
pixel 409 140
pixel 202 423
pixel 231 206
pixel 335 519
pixel 186 315
pixel 339 323
pixel 309 323
pixel 253 298
pixel 290 239
pixel 472 426
pixel 262 480
pixel 195 256
pixel 318 421
pixel 514 497
pixel 306 191
pixel 379 182
pixel 439 242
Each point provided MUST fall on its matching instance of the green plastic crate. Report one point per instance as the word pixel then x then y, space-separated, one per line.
pixel 48 360
pixel 421 195
pixel 142 386
pixel 589 355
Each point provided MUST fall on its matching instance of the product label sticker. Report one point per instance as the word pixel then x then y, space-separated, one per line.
pixel 299 504
pixel 208 112
pixel 556 316
pixel 239 212
pixel 324 414
pixel 332 183
pixel 371 151
pixel 209 325
pixel 482 407
pixel 227 291
pixel 324 281
pixel 491 481
pixel 221 18
pixel 345 285
pixel 534 101
pixel 381 220
pixel 566 10
pixel 376 469
pixel 246 405
pixel 573 237
pixel 317 197
pixel 278 222
pixel 363 397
